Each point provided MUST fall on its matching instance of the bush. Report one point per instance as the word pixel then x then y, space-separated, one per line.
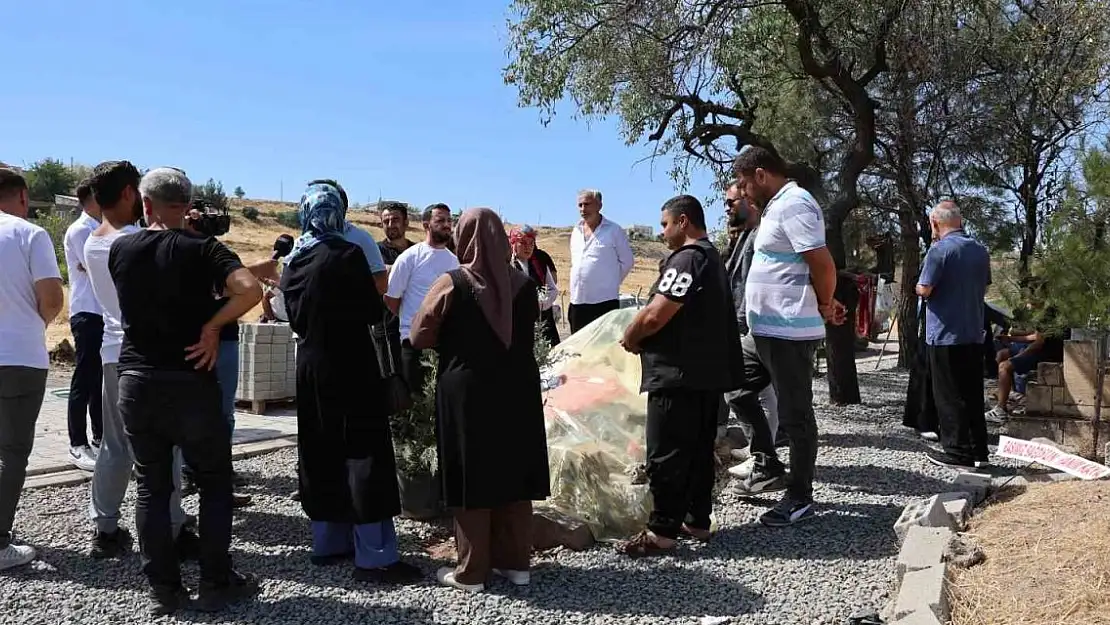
pixel 250 213
pixel 55 223
pixel 289 219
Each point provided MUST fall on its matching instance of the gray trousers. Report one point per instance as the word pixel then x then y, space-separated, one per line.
pixel 790 364
pixel 115 462
pixel 21 393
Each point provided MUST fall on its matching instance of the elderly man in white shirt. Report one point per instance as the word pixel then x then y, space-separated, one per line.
pixel 600 258
pixel 86 322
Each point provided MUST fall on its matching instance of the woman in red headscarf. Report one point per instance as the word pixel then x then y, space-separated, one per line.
pixel 492 446
pixel 526 259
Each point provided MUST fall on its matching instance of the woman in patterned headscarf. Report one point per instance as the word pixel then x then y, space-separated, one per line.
pixel 348 480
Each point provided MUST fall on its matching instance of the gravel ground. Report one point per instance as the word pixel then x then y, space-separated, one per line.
pixel 820 572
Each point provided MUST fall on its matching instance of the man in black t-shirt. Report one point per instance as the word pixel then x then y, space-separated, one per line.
pixel 690 353
pixel 168 393
pixel 395 223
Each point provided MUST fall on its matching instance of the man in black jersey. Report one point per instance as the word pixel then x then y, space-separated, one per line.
pixel 689 348
pixel 168 392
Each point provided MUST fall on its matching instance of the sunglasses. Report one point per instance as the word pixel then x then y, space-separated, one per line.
pixel 730 202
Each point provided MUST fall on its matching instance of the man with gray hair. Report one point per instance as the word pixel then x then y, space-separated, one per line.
pixel 600 258
pixel 115 188
pixel 953 281
pixel 168 393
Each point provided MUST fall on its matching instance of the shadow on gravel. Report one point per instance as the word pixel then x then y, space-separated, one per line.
pixel 875 480
pixel 309 610
pixel 272 529
pixel 659 588
pixel 892 441
pixel 838 532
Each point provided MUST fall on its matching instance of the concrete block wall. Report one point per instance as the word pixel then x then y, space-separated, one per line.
pixel 267 362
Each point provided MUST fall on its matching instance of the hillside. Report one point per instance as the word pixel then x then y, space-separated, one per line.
pixel 253 241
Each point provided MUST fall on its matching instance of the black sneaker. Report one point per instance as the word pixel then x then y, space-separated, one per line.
pixel 239 500
pixel 763 479
pixel 396 573
pixel 788 512
pixel 112 545
pixel 166 600
pixel 945 459
pixel 187 545
pixel 215 597
pixel 296 495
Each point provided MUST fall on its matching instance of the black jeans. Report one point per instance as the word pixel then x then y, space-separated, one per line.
pixel 790 364
pixel 413 370
pixel 582 315
pixel 681 428
pixel 957 379
pixel 745 403
pixel 84 387
pixel 161 410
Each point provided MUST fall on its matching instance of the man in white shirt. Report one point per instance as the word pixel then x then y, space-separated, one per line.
pixel 30 298
pixel 600 258
pixel 117 188
pixel 522 240
pixel 87 326
pixel 410 277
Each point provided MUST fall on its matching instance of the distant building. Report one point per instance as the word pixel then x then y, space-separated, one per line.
pixel 641 233
pixel 66 203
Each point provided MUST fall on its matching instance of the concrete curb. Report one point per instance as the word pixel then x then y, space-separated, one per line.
pixel 72 477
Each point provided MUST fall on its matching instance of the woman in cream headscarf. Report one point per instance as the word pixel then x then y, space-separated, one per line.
pixel 489 413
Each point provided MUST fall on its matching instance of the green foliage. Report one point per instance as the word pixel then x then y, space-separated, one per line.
pixel 251 213
pixel 289 219
pixel 50 177
pixel 56 224
pixel 212 192
pixel 239 192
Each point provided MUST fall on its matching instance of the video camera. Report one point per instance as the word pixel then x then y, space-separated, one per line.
pixel 212 222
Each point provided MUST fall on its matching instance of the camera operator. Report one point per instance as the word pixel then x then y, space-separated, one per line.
pixel 168 392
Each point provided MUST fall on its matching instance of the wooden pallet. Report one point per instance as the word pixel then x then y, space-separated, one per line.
pixel 259 406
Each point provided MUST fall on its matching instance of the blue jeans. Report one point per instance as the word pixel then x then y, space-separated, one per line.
pixel 227 372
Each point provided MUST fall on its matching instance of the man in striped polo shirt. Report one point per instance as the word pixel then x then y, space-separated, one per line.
pixel 789 298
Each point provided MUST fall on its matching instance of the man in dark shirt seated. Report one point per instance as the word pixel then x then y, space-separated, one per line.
pixel 168 392
pixel 1025 350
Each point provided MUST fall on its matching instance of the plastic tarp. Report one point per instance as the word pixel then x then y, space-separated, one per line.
pixel 595 418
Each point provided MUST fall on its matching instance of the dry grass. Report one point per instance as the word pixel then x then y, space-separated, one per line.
pixel 254 240
pixel 1048 559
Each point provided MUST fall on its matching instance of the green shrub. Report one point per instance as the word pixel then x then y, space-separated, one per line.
pixel 289 219
pixel 250 213
pixel 55 223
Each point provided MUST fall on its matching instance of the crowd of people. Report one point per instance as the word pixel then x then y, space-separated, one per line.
pixel 154 305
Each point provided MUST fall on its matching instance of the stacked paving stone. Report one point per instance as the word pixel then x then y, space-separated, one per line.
pixel 1060 404
pixel 267 364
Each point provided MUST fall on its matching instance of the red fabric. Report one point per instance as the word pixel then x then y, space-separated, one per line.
pixel 865 310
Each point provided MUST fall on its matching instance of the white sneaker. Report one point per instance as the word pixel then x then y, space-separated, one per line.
pixel 930 436
pixel 16 555
pixel 517 578
pixel 82 458
pixel 744 469
pixel 446 576
pixel 94 449
pixel 996 415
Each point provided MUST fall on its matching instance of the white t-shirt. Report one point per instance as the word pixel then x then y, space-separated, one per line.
pixel 26 256
pixel 412 276
pixel 100 280
pixel 780 300
pixel 81 298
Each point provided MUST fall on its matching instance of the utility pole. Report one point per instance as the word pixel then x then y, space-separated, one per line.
pixel 282 192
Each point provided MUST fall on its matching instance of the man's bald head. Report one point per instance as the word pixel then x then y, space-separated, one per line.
pixel 944 218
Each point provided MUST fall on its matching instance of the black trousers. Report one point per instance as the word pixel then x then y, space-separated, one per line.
pixel 957 379
pixel 681 428
pixel 85 386
pixel 790 364
pixel 582 315
pixel 161 410
pixel 550 329
pixel 745 403
pixel 413 370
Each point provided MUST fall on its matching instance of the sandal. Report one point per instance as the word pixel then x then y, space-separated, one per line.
pixel 698 534
pixel 643 545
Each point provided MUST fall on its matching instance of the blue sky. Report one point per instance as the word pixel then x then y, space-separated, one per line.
pixel 402 99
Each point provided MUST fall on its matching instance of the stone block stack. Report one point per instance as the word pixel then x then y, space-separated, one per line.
pixel 267 364
pixel 1060 403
